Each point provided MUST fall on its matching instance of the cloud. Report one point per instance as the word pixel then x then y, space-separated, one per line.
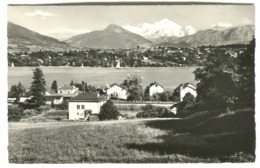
pixel 40 14
pixel 221 25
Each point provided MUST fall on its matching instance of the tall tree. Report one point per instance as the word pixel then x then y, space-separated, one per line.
pixel 133 86
pixel 54 86
pixel 38 86
pixel 16 91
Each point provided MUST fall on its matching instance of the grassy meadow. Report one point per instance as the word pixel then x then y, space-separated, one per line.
pixel 168 77
pixel 218 138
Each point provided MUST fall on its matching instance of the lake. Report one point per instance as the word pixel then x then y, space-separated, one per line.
pixel 168 77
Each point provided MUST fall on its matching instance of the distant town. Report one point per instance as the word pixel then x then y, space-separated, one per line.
pixel 134 57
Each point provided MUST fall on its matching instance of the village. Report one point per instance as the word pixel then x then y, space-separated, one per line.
pixel 81 103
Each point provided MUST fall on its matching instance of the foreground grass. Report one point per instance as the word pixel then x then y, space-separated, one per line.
pixel 157 141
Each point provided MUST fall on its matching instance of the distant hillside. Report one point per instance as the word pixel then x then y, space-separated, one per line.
pixel 235 35
pixel 113 37
pixel 22 39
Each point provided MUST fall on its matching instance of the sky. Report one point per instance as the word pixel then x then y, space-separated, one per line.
pixel 65 21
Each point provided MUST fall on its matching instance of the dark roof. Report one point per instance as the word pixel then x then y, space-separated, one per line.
pixel 86 97
pixel 51 97
pixel 115 84
pixel 155 83
pixel 184 86
pixel 67 87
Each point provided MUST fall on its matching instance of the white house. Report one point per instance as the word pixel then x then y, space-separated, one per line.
pixel 56 99
pixel 183 89
pixel 83 104
pixel 68 91
pixel 23 99
pixel 116 91
pixel 154 88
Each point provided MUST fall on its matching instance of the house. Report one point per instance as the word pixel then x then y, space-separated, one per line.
pixel 84 104
pixel 68 91
pixel 116 91
pixel 55 99
pixel 154 88
pixel 11 100
pixel 183 89
pixel 23 99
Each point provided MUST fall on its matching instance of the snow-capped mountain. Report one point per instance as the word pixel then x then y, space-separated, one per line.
pixel 163 28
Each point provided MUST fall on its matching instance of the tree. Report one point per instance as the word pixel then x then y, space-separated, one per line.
pixel 216 87
pixel 38 86
pixel 54 86
pixel 71 83
pixel 133 86
pixel 17 91
pixel 246 77
pixel 108 111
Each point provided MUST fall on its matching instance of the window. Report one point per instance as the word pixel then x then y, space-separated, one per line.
pixel 82 107
pixel 78 106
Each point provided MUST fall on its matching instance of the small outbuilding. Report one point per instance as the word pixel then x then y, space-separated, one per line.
pixel 55 99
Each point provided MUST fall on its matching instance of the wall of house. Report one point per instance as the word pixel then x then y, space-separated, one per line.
pixel 186 90
pixel 155 89
pixel 116 90
pixel 58 101
pixel 75 113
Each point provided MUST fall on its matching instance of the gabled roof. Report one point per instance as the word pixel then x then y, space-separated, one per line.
pixel 51 97
pixel 186 85
pixel 155 83
pixel 67 87
pixel 86 97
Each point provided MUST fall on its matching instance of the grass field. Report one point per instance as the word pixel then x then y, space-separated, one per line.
pixel 169 77
pixel 219 138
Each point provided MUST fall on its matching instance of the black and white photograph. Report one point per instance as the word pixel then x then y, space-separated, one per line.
pixel 130 82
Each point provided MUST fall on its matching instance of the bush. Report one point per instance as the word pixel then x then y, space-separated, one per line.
pixel 29 112
pixel 127 116
pixel 15 113
pixel 62 106
pixel 29 105
pixel 93 117
pixel 108 111
pixel 43 109
pixel 150 111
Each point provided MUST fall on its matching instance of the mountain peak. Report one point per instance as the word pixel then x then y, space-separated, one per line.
pixel 114 28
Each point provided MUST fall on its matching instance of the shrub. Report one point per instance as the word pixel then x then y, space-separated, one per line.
pixel 150 111
pixel 127 116
pixel 108 111
pixel 93 117
pixel 62 106
pixel 29 105
pixel 43 108
pixel 29 112
pixel 15 113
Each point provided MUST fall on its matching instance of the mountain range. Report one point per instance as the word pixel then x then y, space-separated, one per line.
pixel 163 28
pixel 111 37
pixel 22 39
pixel 163 33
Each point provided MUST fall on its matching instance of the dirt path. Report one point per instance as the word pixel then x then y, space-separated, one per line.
pixel 49 125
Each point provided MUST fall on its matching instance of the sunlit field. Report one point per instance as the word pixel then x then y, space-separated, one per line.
pixel 219 138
